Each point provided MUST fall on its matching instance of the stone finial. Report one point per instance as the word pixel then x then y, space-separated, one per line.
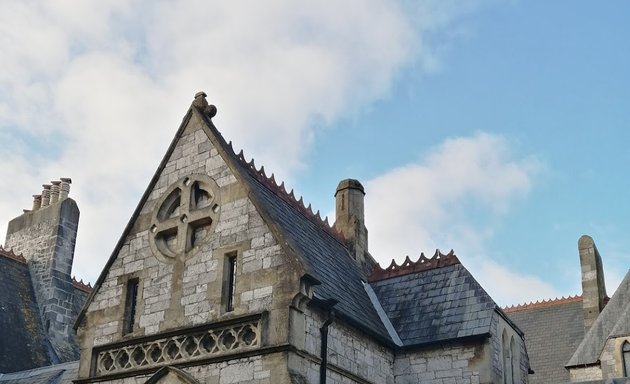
pixel 64 189
pixel 593 285
pixel 46 195
pixel 201 103
pixel 200 100
pixel 37 202
pixel 54 191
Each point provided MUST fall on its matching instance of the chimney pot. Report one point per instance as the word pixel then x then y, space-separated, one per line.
pixel 46 195
pixel 37 202
pixel 64 188
pixel 54 191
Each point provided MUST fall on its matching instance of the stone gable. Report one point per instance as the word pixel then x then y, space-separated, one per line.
pixel 195 217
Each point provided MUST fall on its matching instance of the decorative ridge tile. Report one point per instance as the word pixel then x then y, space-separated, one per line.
pixel 408 267
pixel 80 285
pixel 538 304
pixel 289 197
pixel 9 254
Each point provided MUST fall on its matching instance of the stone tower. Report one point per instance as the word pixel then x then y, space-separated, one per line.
pixel 46 237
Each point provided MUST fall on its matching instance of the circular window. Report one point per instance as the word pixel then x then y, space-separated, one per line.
pixel 185 216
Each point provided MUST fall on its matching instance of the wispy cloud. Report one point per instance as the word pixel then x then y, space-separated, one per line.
pixel 449 199
pixel 95 90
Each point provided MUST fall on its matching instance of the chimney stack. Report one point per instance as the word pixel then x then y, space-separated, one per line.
pixel 46 195
pixel 46 237
pixel 54 192
pixel 350 220
pixel 593 285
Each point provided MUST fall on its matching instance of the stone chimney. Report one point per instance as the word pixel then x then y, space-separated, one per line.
pixel 593 285
pixel 46 238
pixel 350 221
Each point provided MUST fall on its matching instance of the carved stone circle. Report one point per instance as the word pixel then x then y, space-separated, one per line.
pixel 184 217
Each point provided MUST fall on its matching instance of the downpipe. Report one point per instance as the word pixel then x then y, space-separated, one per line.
pixel 324 344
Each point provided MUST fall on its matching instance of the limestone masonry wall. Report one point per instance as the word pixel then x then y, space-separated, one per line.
pixel 585 374
pixel 189 289
pixel 449 364
pixel 353 357
pixel 611 360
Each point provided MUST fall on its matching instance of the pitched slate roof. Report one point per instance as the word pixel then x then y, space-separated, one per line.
pixel 434 300
pixel 313 240
pixel 553 330
pixel 22 341
pixel 56 374
pixel 613 320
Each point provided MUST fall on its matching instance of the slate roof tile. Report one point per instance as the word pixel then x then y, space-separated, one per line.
pixel 553 331
pixel 56 374
pixel 22 345
pixel 313 240
pixel 439 303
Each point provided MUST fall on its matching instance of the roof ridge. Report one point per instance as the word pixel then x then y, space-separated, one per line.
pixel 438 260
pixel 9 254
pixel 542 303
pixel 289 197
pixel 87 288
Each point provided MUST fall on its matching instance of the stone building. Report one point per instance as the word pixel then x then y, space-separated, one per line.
pixel 39 300
pixel 580 339
pixel 222 276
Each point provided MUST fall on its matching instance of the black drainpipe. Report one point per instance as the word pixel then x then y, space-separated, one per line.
pixel 324 341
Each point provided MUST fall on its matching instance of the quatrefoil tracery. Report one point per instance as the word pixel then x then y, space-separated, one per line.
pixel 183 347
pixel 185 216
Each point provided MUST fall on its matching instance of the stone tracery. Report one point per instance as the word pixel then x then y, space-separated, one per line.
pixel 184 217
pixel 179 348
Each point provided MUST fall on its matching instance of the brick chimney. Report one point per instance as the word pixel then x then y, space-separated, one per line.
pixel 350 221
pixel 593 285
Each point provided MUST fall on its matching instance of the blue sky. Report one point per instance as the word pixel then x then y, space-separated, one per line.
pixel 497 128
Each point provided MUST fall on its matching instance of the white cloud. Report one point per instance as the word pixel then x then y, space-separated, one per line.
pixel 95 90
pixel 508 287
pixel 432 203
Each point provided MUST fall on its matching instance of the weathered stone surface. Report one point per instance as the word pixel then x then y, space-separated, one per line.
pixel 46 238
pixel 190 289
